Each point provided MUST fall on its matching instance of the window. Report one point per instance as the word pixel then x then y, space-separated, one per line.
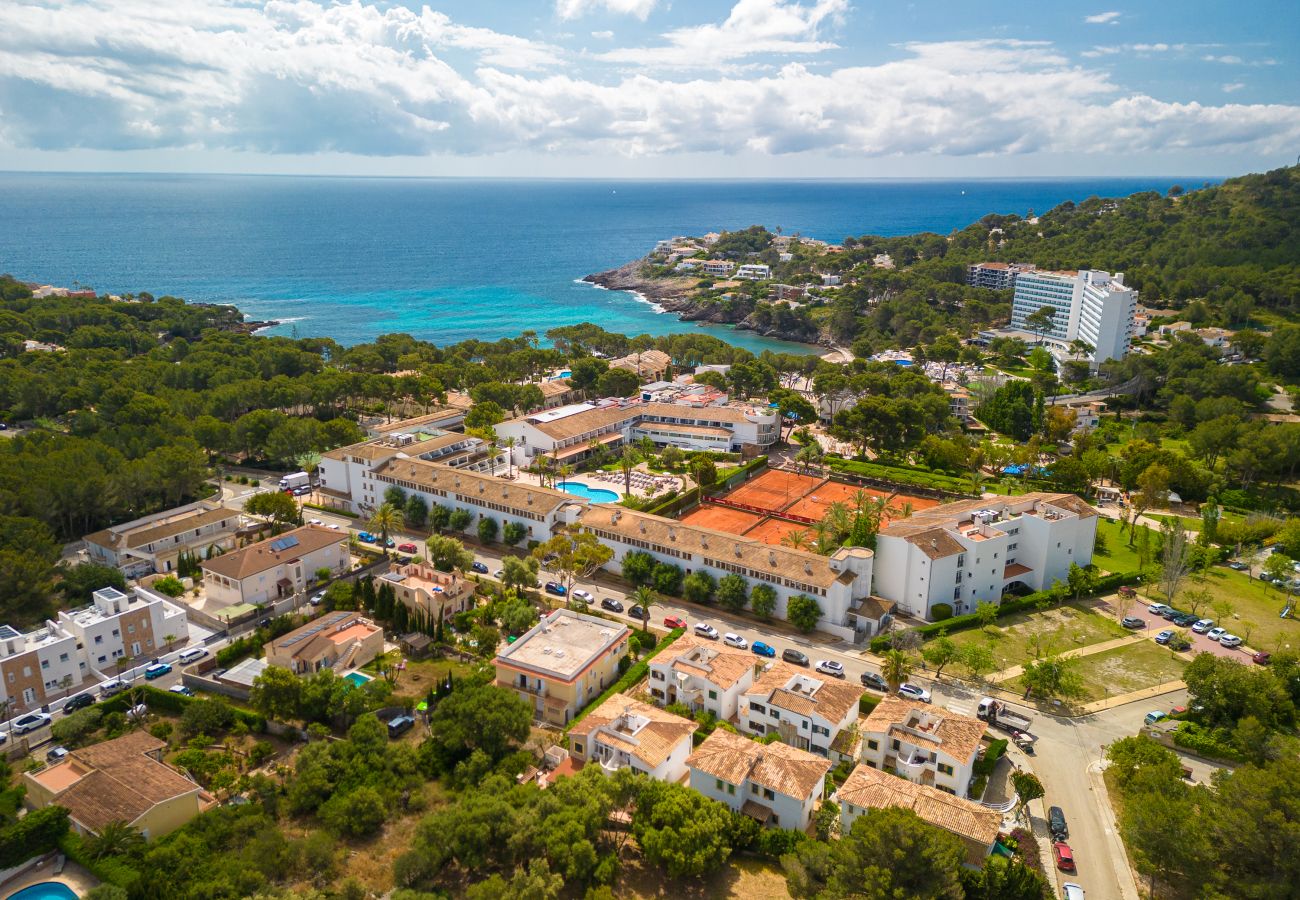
pixel 45 664
pixel 757 707
pixel 63 657
pixel 753 789
pixel 130 629
pixel 717 783
pixel 713 695
pixel 896 744
pixel 577 748
pixel 117 632
pixel 731 789
pixel 769 794
pixel 945 769
pixel 757 727
pixel 99 639
pixel 873 744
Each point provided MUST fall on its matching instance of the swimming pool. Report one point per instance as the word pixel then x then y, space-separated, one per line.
pixel 595 495
pixel 357 678
pixel 46 890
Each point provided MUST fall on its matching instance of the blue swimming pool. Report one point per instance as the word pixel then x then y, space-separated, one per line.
pixel 595 495
pixel 46 890
pixel 356 678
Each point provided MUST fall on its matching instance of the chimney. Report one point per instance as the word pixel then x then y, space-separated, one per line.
pixel 738 550
pixel 704 542
pixel 807 568
pixel 672 533
pixel 771 557
pixel 642 524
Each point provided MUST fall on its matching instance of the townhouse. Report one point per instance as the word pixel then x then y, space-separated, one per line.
pixel 806 710
pixel 718 267
pixel 623 732
pixel 426 591
pixel 964 553
pixel 38 666
pixel 563 663
pixel 119 625
pixel 924 744
pixel 276 567
pixel 703 675
pixel 338 640
pixel 776 785
pixel 153 543
pixel 867 788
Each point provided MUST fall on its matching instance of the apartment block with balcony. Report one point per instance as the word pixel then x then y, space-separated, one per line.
pixel 38 666
pixel 1090 306
pixel 625 733
pixel 807 711
pixel 119 625
pixel 154 543
pixel 924 744
pixel 563 663
pixel 703 675
pixel 998 276
pixel 776 785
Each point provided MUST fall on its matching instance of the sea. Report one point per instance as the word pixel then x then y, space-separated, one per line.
pixel 450 259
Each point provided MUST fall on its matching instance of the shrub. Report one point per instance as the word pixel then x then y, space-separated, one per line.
pixel 1214 743
pixel 74 728
pixel 35 833
pixel 941 611
pixel 868 702
pixel 699 587
pixel 985 765
pixel 668 579
pixel 169 585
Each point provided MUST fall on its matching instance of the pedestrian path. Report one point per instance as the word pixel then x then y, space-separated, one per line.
pixel 1014 671
pixel 1131 697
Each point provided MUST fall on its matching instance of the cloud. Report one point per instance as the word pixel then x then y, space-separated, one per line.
pixel 572 9
pixel 603 35
pixel 313 76
pixel 1233 87
pixel 753 27
pixel 1106 18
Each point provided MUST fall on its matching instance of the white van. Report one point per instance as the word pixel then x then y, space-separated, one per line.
pixel 191 655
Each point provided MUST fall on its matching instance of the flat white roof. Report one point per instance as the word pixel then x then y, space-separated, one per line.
pixel 563 644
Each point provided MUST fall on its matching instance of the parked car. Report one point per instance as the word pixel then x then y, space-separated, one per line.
pixel 157 670
pixel 79 701
pixel 1238 566
pixel 332 526
pixel 1229 640
pixel 479 567
pixel 181 689
pixel 399 726
pixel 874 681
pixel 794 657
pixel 611 604
pixel 913 692
pixel 1153 717
pixel 759 648
pixel 674 622
pixel 1064 856
pixel 1056 823
pixel 830 667
pixel 1157 609
pixel 1215 634
pixel 705 630
pixel 731 639
pixel 317 599
pixel 554 587
pixel 1202 626
pixel 390 543
pixel 1182 621
pixel 1072 891
pixel 1170 613
pixel 408 547
pixel 111 688
pixel 583 596
pixel 1164 637
pixel 1261 658
pixel 193 654
pixel 301 491
pixel 30 722
pixel 56 754
pixel 366 537
pixel 639 612
pixel 1132 622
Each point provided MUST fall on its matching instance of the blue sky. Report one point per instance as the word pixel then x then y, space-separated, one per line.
pixel 650 88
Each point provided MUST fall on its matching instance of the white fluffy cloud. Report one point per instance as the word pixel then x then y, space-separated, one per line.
pixel 572 9
pixel 1106 18
pixel 307 76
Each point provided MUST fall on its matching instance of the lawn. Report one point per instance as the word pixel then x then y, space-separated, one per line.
pixel 1255 608
pixel 1118 555
pixel 1129 668
pixel 421 674
pixel 1015 638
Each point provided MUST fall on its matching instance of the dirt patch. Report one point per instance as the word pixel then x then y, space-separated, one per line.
pixel 745 878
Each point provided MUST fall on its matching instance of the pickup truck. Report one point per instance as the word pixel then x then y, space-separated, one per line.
pixel 996 714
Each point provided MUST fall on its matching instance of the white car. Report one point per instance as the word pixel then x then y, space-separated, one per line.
pixel 913 692
pixel 1203 626
pixel 1072 891
pixel 316 600
pixel 705 630
pixel 314 522
pixel 1229 640
pixel 731 639
pixel 1157 609
pixel 191 655
pixel 830 667
pixel 333 526
pixel 583 596
pixel 30 723
pixel 1215 634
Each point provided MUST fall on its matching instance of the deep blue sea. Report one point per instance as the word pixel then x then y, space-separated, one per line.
pixel 447 259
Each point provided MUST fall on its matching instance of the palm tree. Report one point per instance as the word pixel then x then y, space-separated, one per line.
pixel 116 839
pixel 796 539
pixel 840 519
pixel 509 444
pixel 564 473
pixel 896 669
pixel 645 597
pixel 627 462
pixel 386 520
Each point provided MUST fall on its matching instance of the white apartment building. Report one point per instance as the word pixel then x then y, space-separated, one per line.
pixel 719 267
pixel 38 667
pixel 775 784
pixel 703 675
pixel 153 543
pixel 997 276
pixel 625 733
pixel 276 567
pixel 922 743
pixel 1091 306
pixel 118 625
pixel 754 272
pixel 971 551
pixel 808 711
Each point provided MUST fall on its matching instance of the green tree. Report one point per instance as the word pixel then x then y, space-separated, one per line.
pixel 1027 788
pixel 483 718
pixel 577 554
pixel 416 511
pixel 387 520
pixel 487 529
pixel 80 581
pixel 276 506
pixel 681 830
pixel 896 668
pixel 513 532
pixel 986 614
pixel 459 518
pixel 1163 832
pixel 448 554
pixel 762 601
pixel 941 651
pixel 519 573
pixel 1053 677
pixel 803 612
pixel 638 567
pixel 978 660
pixel 1004 879
pixel 733 592
pixel 355 814
pixel 116 838
pixel 891 853
pixel 699 587
pixel 1080 580
pixel 277 694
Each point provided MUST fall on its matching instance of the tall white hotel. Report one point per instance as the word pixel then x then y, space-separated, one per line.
pixel 1090 306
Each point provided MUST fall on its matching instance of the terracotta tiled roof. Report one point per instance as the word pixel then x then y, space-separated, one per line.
pixel 829 698
pixel 651 744
pixel 645 362
pixel 439 479
pixel 716 662
pixel 122 781
pixel 873 789
pixel 148 533
pixel 927 529
pixel 239 564
pixel 555 388
pixel 571 426
pixel 939 729
pixel 784 769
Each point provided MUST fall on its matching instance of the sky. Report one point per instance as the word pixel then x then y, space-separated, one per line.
pixel 651 88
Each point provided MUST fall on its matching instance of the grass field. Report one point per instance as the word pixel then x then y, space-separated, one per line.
pixel 1017 637
pixel 1255 608
pixel 1118 555
pixel 1130 668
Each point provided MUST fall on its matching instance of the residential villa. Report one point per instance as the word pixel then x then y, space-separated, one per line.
pixel 705 676
pixel 424 590
pixel 718 267
pixel 122 780
pixel 119 625
pixel 563 663
pixel 808 711
pixel 960 554
pixel 153 543
pixel 647 365
pixel 868 788
pixel 276 567
pixel 774 784
pixel 754 272
pixel 624 732
pixel 930 746
pixel 337 640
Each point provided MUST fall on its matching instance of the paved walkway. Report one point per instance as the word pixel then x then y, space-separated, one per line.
pixel 1132 697
pixel 1014 671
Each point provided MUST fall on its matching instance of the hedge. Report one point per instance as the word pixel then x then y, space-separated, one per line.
pixel 986 764
pixel 171 702
pixel 108 869
pixel 1206 742
pixel 742 474
pixel 334 511
pixel 35 833
pixel 916 477
pixel 881 643
pixel 868 702
pixel 630 677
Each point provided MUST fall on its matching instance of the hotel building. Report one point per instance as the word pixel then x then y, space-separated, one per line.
pixel 1094 307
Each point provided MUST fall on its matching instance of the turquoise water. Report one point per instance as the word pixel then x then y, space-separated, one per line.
pixel 595 495
pixel 447 260
pixel 46 890
pixel 356 678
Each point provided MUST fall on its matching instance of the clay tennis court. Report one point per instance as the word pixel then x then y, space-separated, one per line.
pixel 721 518
pixel 773 531
pixel 774 489
pixel 820 498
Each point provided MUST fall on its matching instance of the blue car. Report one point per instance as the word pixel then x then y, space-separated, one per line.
pixel 762 649
pixel 366 537
pixel 554 587
pixel 157 670
pixel 1164 637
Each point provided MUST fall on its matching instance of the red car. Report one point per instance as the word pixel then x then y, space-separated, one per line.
pixel 1064 856
pixel 406 548
pixel 1262 658
pixel 674 622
